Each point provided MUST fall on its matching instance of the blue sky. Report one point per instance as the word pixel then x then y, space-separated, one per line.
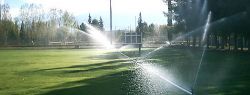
pixel 124 11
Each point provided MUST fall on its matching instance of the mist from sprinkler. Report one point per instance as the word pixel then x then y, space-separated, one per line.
pixel 98 36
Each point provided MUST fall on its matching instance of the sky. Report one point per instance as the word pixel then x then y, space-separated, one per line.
pixel 125 12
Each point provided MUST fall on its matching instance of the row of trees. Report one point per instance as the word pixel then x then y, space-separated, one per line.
pixel 96 23
pixel 155 34
pixel 8 28
pixel 34 26
pixel 147 30
pixel 228 28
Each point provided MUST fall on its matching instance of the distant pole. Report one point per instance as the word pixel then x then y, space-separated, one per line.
pixel 140 44
pixel 0 10
pixel 135 23
pixel 110 21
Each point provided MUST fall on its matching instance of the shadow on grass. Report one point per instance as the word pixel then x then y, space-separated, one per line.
pixel 122 54
pixel 221 73
pixel 90 65
pixel 224 73
pixel 113 67
pixel 90 70
pixel 113 84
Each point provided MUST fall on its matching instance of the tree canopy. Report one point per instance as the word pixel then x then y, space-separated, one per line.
pixel 228 25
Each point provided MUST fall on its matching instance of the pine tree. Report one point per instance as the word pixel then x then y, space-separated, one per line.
pixel 89 20
pixel 140 24
pixel 22 33
pixel 101 24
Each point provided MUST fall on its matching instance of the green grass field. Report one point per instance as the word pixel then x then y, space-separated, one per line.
pixel 41 71
pixel 101 72
pixel 221 73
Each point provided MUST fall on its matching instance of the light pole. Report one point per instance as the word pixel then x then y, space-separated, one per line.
pixel 0 10
pixel 110 21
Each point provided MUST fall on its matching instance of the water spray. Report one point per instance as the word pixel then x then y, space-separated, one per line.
pixel 98 36
pixel 203 52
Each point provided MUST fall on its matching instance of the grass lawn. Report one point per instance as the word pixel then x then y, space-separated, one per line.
pixel 221 73
pixel 101 72
pixel 80 71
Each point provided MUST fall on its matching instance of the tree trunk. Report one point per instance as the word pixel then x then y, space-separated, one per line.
pixel 248 44
pixel 170 23
pixel 242 43
pixel 245 41
pixel 200 43
pixel 223 41
pixel 229 42
pixel 187 41
pixel 235 41
pixel 216 41
pixel 208 37
pixel 194 41
pixel 6 38
pixel 140 46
